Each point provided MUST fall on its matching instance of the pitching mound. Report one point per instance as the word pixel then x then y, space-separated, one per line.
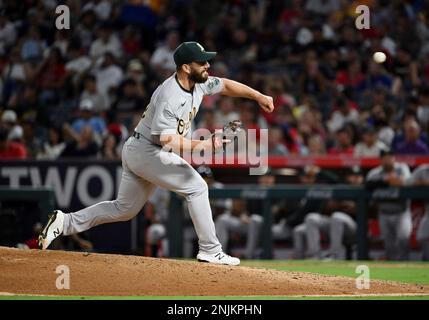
pixel 33 272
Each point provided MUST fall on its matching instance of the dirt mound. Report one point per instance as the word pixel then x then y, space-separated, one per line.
pixel 34 272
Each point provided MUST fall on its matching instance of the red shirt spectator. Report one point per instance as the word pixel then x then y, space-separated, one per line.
pixel 51 73
pixel 12 150
pixel 343 143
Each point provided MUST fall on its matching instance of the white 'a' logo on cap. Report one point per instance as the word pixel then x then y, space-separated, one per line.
pixel 201 47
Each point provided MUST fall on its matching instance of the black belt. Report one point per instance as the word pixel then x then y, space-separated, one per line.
pixel 137 135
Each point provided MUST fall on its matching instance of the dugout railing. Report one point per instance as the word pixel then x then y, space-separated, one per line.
pixel 45 198
pixel 360 194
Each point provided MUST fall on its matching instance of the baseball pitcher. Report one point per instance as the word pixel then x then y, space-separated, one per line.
pixel 166 122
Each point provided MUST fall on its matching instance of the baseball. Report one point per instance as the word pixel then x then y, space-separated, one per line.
pixel 379 57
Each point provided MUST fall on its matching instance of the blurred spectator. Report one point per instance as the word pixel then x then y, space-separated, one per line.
pixel 52 148
pixel 88 117
pixel 380 119
pixel 84 30
pixel 78 63
pixel 109 76
pixel 370 146
pixel 310 122
pixel 377 77
pixel 276 145
pixel 315 146
pixel 32 243
pixel 9 122
pixel 208 121
pixel 412 143
pixel 61 42
pixel 15 74
pixel 352 77
pixel 82 144
pixel 91 93
pixel 287 122
pixel 50 75
pixel 106 42
pixel 131 41
pixel 276 88
pixel 102 8
pixel 33 135
pixel 9 149
pixel 8 32
pixel 225 112
pixel 343 143
pixel 312 81
pixel 129 103
pixel 33 46
pixel 343 115
pixel 25 102
pixel 423 107
pixel 109 148
pixel 162 58
pixel 394 216
pixel 322 7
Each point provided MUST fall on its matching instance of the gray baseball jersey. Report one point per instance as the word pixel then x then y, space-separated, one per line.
pixel 170 111
pixel 421 173
pixel 172 108
pixel 394 217
pixel 391 207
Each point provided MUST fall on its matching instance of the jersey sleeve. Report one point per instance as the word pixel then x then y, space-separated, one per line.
pixel 212 86
pixel 417 175
pixel 405 172
pixel 373 175
pixel 164 120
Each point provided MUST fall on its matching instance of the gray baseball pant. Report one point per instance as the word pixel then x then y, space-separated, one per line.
pixel 144 168
pixel 227 223
pixel 298 238
pixel 423 236
pixel 396 230
pixel 339 227
pixel 315 225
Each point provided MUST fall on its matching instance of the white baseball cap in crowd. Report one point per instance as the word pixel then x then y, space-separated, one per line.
pixel 86 105
pixel 9 116
pixel 135 65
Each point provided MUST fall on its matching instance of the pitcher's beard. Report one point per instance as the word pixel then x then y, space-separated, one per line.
pixel 198 77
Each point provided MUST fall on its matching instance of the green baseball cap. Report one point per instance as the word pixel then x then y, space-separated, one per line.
pixel 190 51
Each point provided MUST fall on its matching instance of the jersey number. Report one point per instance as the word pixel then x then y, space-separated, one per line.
pixel 181 127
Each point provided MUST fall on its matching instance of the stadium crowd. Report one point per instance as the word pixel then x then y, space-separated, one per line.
pixel 79 92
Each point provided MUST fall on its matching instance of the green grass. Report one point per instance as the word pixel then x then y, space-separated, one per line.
pixel 408 272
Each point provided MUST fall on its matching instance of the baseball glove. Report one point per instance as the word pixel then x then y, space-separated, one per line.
pixel 229 131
